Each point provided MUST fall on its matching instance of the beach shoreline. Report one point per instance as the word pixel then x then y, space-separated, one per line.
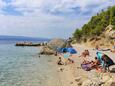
pixel 73 75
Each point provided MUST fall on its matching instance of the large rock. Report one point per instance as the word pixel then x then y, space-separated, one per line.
pixel 46 51
pixel 52 46
pixel 56 43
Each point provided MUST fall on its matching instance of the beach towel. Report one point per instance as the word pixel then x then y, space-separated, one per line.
pixel 86 67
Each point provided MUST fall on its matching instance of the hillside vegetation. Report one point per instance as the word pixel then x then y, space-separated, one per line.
pixel 100 29
pixel 96 26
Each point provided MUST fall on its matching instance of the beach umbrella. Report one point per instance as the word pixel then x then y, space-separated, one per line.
pixel 71 50
pixel 61 50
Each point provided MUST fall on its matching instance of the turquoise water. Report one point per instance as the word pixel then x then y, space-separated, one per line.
pixel 21 66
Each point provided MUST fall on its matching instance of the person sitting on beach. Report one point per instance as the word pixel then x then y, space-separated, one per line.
pixel 84 56
pixel 66 56
pixel 104 60
pixel 85 53
pixel 59 62
pixel 87 66
pixel 99 57
pixel 95 62
pixel 101 49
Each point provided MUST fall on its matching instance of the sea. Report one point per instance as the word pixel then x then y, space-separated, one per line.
pixel 22 66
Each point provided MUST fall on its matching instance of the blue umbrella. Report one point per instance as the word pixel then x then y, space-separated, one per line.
pixel 61 50
pixel 71 50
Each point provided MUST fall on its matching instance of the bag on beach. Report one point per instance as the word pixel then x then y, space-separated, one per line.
pixel 86 67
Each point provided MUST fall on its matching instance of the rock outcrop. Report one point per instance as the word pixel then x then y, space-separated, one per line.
pixel 56 43
pixel 46 51
pixel 109 32
pixel 52 46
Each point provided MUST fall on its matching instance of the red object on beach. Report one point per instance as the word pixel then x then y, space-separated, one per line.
pixel 99 69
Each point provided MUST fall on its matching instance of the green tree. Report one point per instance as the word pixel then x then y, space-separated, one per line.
pixel 97 24
pixel 78 34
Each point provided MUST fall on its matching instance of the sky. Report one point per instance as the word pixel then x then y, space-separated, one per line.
pixel 47 18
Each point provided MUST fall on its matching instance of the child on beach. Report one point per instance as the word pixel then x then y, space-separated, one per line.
pixel 96 65
pixel 59 62
pixel 67 59
pixel 96 62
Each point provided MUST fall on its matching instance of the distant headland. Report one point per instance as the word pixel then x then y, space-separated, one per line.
pixel 21 38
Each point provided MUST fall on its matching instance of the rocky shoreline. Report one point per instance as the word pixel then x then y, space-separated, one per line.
pixel 73 75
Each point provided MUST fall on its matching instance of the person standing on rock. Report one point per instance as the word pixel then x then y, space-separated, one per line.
pixel 69 42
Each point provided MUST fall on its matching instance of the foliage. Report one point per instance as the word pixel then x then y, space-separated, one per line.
pixel 97 24
pixel 78 34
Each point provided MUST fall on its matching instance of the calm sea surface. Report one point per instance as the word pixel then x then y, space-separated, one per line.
pixel 21 66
